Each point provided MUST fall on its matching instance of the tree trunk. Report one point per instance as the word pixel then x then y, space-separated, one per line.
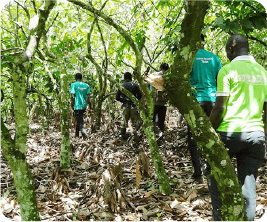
pixel 146 115
pixel 15 150
pixel 64 122
pixel 163 180
pixel 178 88
pixel 22 177
pixel 99 113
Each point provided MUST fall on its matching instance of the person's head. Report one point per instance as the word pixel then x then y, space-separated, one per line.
pixel 237 45
pixel 78 76
pixel 202 42
pixel 202 38
pixel 127 76
pixel 164 67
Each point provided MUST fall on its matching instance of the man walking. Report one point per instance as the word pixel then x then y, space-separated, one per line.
pixel 129 109
pixel 237 116
pixel 79 99
pixel 203 79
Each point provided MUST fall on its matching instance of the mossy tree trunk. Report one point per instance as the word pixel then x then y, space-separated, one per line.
pixel 146 113
pixel 177 84
pixel 14 150
pixel 64 104
pixel 22 176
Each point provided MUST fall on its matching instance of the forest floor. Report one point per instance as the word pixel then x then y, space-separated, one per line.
pixel 83 193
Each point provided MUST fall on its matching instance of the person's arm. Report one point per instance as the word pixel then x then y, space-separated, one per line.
pixel 218 110
pixel 72 100
pixel 265 116
pixel 118 96
pixel 72 92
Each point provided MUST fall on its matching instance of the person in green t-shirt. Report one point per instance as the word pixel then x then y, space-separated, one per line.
pixel 203 79
pixel 237 116
pixel 80 92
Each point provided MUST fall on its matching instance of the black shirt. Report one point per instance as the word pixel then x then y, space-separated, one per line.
pixel 131 87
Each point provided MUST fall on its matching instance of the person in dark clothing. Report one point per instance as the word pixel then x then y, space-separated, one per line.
pixel 203 78
pixel 160 101
pixel 80 92
pixel 129 109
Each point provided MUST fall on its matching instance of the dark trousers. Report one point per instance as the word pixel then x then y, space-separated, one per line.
pixel 79 122
pixel 192 146
pixel 249 149
pixel 160 111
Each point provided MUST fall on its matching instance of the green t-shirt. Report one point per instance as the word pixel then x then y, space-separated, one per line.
pixel 244 81
pixel 203 76
pixel 80 90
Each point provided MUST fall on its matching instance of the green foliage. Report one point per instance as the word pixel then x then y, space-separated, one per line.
pixel 238 16
pixel 153 24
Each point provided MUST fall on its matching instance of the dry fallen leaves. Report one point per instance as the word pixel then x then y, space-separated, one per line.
pixel 81 187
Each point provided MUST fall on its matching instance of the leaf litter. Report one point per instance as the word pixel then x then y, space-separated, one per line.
pixel 110 179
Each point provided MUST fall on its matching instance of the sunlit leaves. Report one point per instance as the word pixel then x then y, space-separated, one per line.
pixel 238 16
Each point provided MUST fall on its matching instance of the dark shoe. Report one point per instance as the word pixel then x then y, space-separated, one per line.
pixel 136 137
pixel 123 134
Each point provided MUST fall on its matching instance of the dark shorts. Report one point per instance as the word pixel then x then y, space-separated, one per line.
pixel 249 143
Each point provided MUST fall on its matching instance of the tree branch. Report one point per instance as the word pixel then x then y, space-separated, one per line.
pixel 169 33
pixel 12 54
pixel 11 49
pixel 257 40
pixel 127 64
pixel 104 45
pixel 52 23
pixel 21 27
pixel 38 28
pixel 111 22
pixel 24 8
pixel 34 6
pixel 14 34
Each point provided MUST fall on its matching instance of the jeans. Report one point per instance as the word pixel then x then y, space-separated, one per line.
pixel 192 146
pixel 249 148
pixel 79 123
pixel 160 111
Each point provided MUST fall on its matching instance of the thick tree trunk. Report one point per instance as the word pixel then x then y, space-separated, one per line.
pixel 178 88
pixel 22 176
pixel 15 150
pixel 64 122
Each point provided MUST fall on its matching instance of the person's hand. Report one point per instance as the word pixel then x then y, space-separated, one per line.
pixel 146 72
